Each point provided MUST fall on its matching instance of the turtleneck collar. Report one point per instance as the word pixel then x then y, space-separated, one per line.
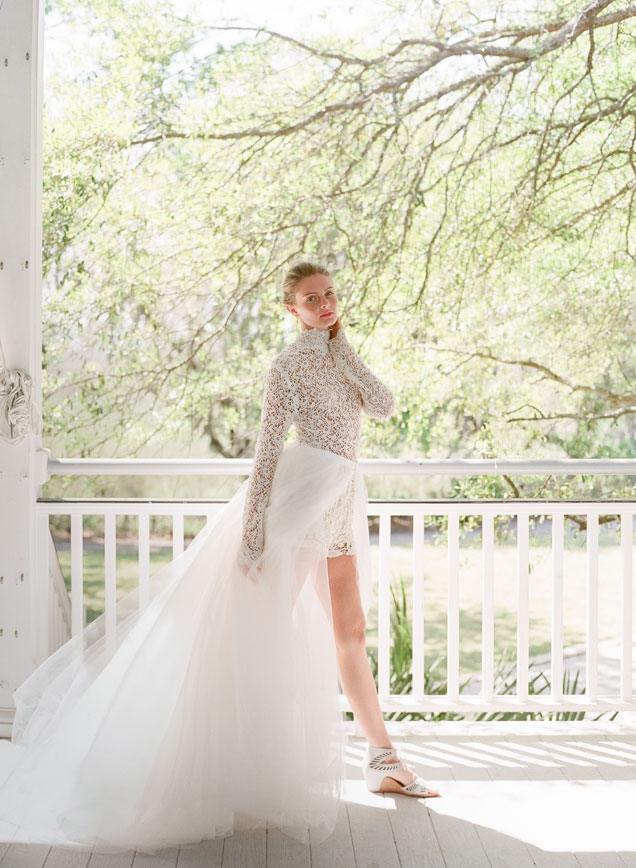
pixel 317 338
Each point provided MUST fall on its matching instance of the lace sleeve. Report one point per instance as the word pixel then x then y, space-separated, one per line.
pixel 276 419
pixel 377 399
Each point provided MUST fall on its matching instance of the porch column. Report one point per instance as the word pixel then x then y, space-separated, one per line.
pixel 20 332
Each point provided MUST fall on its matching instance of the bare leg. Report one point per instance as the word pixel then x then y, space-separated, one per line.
pixel 350 634
pixel 355 673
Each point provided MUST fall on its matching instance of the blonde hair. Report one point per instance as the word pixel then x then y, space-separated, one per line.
pixel 295 274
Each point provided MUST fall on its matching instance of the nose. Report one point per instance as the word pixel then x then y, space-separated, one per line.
pixel 324 303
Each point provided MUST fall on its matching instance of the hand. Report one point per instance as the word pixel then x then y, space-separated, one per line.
pixel 335 328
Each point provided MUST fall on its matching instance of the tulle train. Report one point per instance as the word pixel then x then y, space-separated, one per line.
pixel 219 698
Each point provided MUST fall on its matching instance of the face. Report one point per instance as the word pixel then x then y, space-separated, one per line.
pixel 315 303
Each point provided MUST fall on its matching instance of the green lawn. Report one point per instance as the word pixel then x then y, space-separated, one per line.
pixel 505 598
pixel 127 566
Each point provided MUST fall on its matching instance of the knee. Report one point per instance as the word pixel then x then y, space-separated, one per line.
pixel 352 636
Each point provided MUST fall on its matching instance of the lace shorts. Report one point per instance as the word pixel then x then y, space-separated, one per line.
pixel 338 525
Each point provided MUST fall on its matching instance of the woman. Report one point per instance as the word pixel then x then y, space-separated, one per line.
pixel 219 698
pixel 320 384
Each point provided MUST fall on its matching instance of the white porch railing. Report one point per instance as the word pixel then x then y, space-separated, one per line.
pixel 426 518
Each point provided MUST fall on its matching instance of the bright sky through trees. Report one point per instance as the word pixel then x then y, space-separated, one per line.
pixel 295 18
pixel 466 169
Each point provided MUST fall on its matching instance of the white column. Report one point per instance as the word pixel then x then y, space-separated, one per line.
pixel 20 332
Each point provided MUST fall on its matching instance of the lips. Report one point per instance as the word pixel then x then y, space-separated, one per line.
pixel 325 315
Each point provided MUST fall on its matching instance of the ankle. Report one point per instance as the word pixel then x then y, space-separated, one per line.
pixel 385 756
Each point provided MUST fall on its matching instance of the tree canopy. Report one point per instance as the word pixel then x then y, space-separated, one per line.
pixel 466 170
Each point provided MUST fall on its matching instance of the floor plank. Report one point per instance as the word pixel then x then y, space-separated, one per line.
pixel 624 744
pixel 429 760
pixel 572 770
pixel 207 854
pixel 25 856
pixel 337 850
pixel 501 760
pixel 465 762
pixel 285 852
pixel 61 857
pixel 371 833
pixel 163 859
pixel 111 860
pixel 246 847
pixel 600 860
pixel 546 859
pixel 606 754
pixel 543 760
pixel 415 838
pixel 575 762
pixel 504 851
pixel 459 842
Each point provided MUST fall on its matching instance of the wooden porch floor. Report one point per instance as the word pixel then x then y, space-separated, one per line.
pixel 514 795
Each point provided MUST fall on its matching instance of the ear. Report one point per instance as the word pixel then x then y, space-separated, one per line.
pixel 291 309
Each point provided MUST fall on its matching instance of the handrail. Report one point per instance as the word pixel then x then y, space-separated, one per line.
pixel 369 466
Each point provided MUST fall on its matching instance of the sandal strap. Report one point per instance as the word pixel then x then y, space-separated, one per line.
pixel 416 786
pixel 381 763
pixel 378 760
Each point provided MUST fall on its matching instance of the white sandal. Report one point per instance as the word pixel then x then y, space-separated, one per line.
pixel 379 766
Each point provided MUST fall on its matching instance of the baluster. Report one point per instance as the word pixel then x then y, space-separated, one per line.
pixel 627 551
pixel 453 606
pixel 487 612
pixel 419 667
pixel 523 583
pixel 44 594
pixel 77 574
pixel 591 645
pixel 384 607
pixel 177 534
pixel 110 577
pixel 557 606
pixel 144 559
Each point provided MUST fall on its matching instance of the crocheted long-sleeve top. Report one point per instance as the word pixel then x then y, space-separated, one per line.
pixel 320 385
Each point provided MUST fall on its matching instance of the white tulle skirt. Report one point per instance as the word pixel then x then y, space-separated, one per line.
pixel 218 699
